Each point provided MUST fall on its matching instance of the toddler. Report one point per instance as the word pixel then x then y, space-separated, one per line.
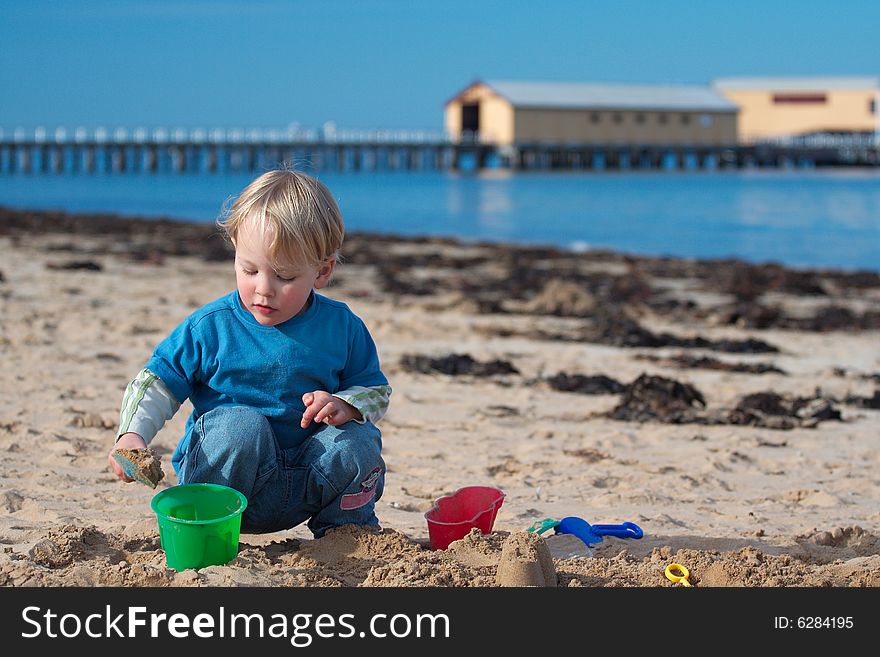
pixel 285 383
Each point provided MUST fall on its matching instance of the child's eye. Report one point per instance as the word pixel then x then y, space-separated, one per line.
pixel 248 271
pixel 285 278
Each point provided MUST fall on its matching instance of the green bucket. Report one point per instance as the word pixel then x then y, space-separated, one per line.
pixel 199 524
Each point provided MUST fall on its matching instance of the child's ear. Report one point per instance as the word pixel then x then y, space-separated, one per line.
pixel 324 273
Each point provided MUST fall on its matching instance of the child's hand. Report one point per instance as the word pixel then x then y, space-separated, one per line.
pixel 321 406
pixel 131 441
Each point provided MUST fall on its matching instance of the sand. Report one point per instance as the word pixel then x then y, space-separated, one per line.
pixel 730 411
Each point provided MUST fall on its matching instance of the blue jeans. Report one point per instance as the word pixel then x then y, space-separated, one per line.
pixel 334 478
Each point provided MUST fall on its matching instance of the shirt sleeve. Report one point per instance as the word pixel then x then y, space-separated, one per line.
pixel 146 406
pixel 177 361
pixel 371 402
pixel 362 366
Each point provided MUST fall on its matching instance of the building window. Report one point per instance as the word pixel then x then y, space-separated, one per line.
pixel 640 118
pixel 872 106
pixel 705 120
pixel 799 98
pixel 662 119
pixel 685 119
pixel 617 117
pixel 595 117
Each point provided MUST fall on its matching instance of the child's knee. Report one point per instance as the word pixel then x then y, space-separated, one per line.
pixel 365 438
pixel 235 429
pixel 363 445
pixel 352 456
pixel 235 418
pixel 233 446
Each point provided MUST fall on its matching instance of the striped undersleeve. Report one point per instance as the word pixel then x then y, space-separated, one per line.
pixel 134 395
pixel 371 403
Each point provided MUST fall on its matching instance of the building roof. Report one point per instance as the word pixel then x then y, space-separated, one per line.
pixel 796 84
pixel 583 95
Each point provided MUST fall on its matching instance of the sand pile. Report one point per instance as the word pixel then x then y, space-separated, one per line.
pixel 352 556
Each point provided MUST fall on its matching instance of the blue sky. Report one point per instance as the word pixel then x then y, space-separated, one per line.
pixel 386 64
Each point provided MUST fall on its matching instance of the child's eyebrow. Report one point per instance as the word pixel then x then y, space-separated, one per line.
pixel 289 272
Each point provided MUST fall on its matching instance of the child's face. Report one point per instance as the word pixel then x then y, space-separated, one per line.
pixel 272 296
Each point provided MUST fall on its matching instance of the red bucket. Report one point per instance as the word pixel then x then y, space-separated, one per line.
pixel 453 516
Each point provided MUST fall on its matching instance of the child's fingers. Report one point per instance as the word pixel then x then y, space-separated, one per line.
pixel 309 413
pixel 321 415
pixel 326 413
pixel 114 465
pixel 317 413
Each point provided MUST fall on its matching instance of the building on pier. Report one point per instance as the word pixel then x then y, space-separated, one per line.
pixel 774 108
pixel 511 113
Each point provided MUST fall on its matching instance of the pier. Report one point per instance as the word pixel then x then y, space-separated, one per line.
pixel 184 151
pixel 201 151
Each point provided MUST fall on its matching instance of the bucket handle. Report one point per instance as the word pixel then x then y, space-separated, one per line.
pixel 626 530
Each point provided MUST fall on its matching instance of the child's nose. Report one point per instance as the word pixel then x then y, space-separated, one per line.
pixel 264 285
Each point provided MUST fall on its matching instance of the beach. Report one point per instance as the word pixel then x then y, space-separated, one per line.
pixel 729 410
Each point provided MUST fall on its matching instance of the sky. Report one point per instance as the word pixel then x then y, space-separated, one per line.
pixel 387 64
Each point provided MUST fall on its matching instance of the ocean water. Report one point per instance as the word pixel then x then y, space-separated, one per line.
pixel 815 218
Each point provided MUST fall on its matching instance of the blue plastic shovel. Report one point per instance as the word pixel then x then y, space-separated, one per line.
pixel 592 534
pixel 131 469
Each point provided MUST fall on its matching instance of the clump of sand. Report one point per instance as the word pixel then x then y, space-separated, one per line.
pixel 147 463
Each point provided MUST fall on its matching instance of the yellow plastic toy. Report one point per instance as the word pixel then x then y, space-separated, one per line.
pixel 677 573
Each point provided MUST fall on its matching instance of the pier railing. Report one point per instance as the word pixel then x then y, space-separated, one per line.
pixel 219 150
pixel 213 150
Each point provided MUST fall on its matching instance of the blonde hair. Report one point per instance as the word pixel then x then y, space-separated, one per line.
pixel 297 211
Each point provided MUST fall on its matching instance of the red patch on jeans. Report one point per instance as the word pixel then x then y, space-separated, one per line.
pixel 357 500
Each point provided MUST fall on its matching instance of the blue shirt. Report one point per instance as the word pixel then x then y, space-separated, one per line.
pixel 221 356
